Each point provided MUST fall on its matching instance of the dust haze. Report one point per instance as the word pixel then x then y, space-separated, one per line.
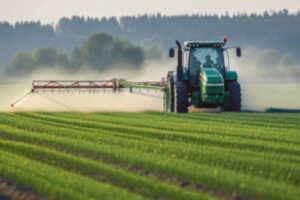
pixel 268 80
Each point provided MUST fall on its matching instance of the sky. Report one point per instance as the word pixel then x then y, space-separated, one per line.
pixel 50 11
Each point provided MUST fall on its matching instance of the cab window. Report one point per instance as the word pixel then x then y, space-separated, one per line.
pixel 205 57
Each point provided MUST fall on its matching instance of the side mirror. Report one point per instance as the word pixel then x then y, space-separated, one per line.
pixel 171 53
pixel 238 52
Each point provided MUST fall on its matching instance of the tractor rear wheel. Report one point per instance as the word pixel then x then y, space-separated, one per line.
pixel 181 98
pixel 235 99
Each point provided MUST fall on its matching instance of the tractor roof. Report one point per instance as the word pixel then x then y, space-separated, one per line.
pixel 204 44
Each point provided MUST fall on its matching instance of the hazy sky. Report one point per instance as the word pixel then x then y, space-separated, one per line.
pixel 52 10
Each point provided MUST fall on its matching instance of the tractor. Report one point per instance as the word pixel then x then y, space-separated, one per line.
pixel 202 78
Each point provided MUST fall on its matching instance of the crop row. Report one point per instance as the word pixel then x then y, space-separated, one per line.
pixel 124 134
pixel 56 183
pixel 266 120
pixel 201 125
pixel 211 176
pixel 96 169
pixel 226 158
pixel 202 137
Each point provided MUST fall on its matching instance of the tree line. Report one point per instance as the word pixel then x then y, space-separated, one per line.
pixel 99 52
pixel 275 30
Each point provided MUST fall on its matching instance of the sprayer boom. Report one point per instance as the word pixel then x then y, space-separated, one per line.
pixel 40 85
pixel 113 84
pixel 89 86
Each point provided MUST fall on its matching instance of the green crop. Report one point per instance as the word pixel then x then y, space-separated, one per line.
pixel 153 155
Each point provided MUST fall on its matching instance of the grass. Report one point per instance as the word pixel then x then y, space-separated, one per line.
pixel 152 155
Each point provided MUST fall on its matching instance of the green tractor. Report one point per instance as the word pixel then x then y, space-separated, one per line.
pixel 202 79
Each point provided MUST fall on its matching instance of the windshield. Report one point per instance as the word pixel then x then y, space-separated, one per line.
pixel 205 57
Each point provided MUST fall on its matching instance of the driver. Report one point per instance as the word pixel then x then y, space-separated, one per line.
pixel 208 62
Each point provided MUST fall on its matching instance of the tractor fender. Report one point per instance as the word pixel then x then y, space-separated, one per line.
pixel 231 76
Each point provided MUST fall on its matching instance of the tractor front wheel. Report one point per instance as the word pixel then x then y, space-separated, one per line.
pixel 235 99
pixel 181 98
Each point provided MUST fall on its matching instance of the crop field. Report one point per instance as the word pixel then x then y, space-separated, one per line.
pixel 150 155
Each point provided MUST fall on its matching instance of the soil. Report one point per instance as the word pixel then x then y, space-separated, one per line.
pixel 10 191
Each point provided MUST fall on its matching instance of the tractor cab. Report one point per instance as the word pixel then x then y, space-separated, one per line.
pixel 202 55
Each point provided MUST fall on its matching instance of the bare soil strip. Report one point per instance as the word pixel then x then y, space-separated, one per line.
pixel 11 191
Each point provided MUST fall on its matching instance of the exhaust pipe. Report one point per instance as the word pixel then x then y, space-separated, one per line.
pixel 179 62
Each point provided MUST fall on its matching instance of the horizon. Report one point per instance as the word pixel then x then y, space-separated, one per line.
pixel 49 12
pixel 270 12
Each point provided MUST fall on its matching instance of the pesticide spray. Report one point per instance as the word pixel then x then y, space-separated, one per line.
pixel 268 80
pixel 83 100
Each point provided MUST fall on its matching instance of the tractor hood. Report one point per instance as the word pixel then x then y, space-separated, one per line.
pixel 212 86
pixel 211 76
